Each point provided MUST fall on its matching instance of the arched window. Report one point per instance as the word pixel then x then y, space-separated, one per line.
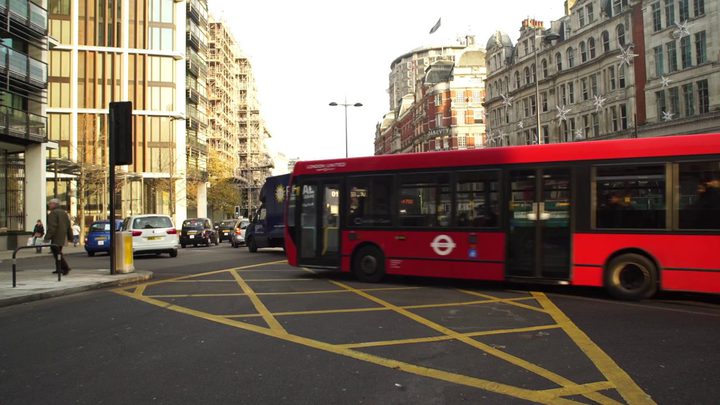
pixel 570 57
pixel 558 61
pixel 583 52
pixel 544 68
pixel 527 75
pixel 621 34
pixel 533 72
pixel 517 79
pixel 605 41
pixel 591 47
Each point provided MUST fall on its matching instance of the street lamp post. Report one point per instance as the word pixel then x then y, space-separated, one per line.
pixel 546 37
pixel 346 105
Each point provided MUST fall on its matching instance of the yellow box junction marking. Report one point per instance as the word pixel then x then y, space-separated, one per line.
pixel 617 379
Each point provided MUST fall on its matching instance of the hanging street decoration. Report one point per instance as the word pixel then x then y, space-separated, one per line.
pixel 579 135
pixel 665 81
pixel 626 56
pixel 598 102
pixel 521 125
pixel 667 116
pixel 507 101
pixel 562 113
pixel 682 30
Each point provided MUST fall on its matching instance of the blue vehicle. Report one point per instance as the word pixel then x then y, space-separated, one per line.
pixel 98 236
pixel 267 226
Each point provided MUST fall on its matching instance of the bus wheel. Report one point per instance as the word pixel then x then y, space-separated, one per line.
pixel 631 277
pixel 369 264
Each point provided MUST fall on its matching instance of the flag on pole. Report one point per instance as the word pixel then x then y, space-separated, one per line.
pixel 436 26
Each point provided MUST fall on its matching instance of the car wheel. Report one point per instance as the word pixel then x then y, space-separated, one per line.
pixel 91 254
pixel 369 264
pixel 217 241
pixel 182 245
pixel 252 247
pixel 173 253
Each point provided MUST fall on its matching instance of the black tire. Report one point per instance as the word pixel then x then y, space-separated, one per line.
pixel 368 264
pixel 173 253
pixel 182 245
pixel 252 247
pixel 235 245
pixel 217 241
pixel 631 277
pixel 91 254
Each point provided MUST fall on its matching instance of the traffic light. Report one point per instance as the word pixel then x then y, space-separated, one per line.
pixel 121 132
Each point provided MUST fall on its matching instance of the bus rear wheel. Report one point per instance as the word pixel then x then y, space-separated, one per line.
pixel 631 277
pixel 369 264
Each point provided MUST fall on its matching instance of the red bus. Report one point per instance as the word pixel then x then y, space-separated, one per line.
pixel 632 215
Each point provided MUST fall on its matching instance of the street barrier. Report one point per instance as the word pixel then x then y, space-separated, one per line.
pixel 14 261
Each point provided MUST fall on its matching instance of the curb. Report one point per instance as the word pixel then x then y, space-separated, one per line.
pixel 141 276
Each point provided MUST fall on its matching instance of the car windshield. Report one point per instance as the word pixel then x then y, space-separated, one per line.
pixel 190 223
pixel 244 224
pixel 228 222
pixel 100 227
pixel 152 223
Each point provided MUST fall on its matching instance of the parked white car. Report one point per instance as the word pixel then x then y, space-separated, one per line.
pixel 152 233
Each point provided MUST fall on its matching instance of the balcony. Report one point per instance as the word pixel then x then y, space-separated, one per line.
pixel 195 120
pixel 26 19
pixel 23 125
pixel 24 72
pixel 195 65
pixel 196 38
pixel 197 13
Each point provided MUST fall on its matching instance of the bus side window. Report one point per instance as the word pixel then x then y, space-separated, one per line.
pixel 699 195
pixel 369 205
pixel 476 199
pixel 630 197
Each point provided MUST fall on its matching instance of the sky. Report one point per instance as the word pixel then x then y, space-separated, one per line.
pixel 306 54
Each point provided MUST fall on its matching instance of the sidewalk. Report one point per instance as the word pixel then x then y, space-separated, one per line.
pixel 39 283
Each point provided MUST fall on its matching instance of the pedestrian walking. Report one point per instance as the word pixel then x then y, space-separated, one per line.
pixel 76 234
pixel 38 233
pixel 58 232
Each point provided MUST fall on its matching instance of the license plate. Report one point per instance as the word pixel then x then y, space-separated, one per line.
pixel 101 242
pixel 225 232
pixel 100 238
pixel 192 236
pixel 155 238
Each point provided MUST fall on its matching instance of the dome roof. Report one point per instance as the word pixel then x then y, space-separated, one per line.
pixel 472 58
pixel 498 39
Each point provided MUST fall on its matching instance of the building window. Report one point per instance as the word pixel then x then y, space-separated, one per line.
pixel 659 66
pixel 594 85
pixel 660 103
pixel 571 92
pixel 623 117
pixel 461 141
pixel 703 97
pixel 526 71
pixel 621 76
pixel 581 17
pixel 543 101
pixel 438 100
pixel 621 34
pixel 684 9
pixel 476 98
pixel 605 36
pixel 657 22
pixel 571 57
pixel 699 7
pixel 460 97
pixel 685 52
pixel 674 100
pixel 533 105
pixel 438 121
pixel 595 124
pixel 563 95
pixel 688 98
pixel 517 79
pixel 558 61
pixel 590 15
pixel 544 65
pixel 586 125
pixel 669 12
pixel 533 71
pixel 591 47
pixel 584 88
pixel 700 48
pixel 614 118
pixel 583 52
pixel 671 56
pixel 611 77
pixel 526 112
pixel 546 134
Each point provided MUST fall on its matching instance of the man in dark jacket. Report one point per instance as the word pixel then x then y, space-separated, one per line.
pixel 58 232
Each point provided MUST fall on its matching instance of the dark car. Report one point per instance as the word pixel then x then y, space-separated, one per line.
pixel 98 236
pixel 198 231
pixel 226 229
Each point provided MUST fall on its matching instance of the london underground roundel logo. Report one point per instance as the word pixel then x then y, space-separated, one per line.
pixel 443 245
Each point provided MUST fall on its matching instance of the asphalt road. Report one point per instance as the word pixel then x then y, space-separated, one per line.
pixel 221 325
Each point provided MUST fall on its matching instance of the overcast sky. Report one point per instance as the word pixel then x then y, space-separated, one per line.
pixel 306 54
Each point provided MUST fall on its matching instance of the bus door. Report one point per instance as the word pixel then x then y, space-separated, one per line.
pixel 539 223
pixel 319 227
